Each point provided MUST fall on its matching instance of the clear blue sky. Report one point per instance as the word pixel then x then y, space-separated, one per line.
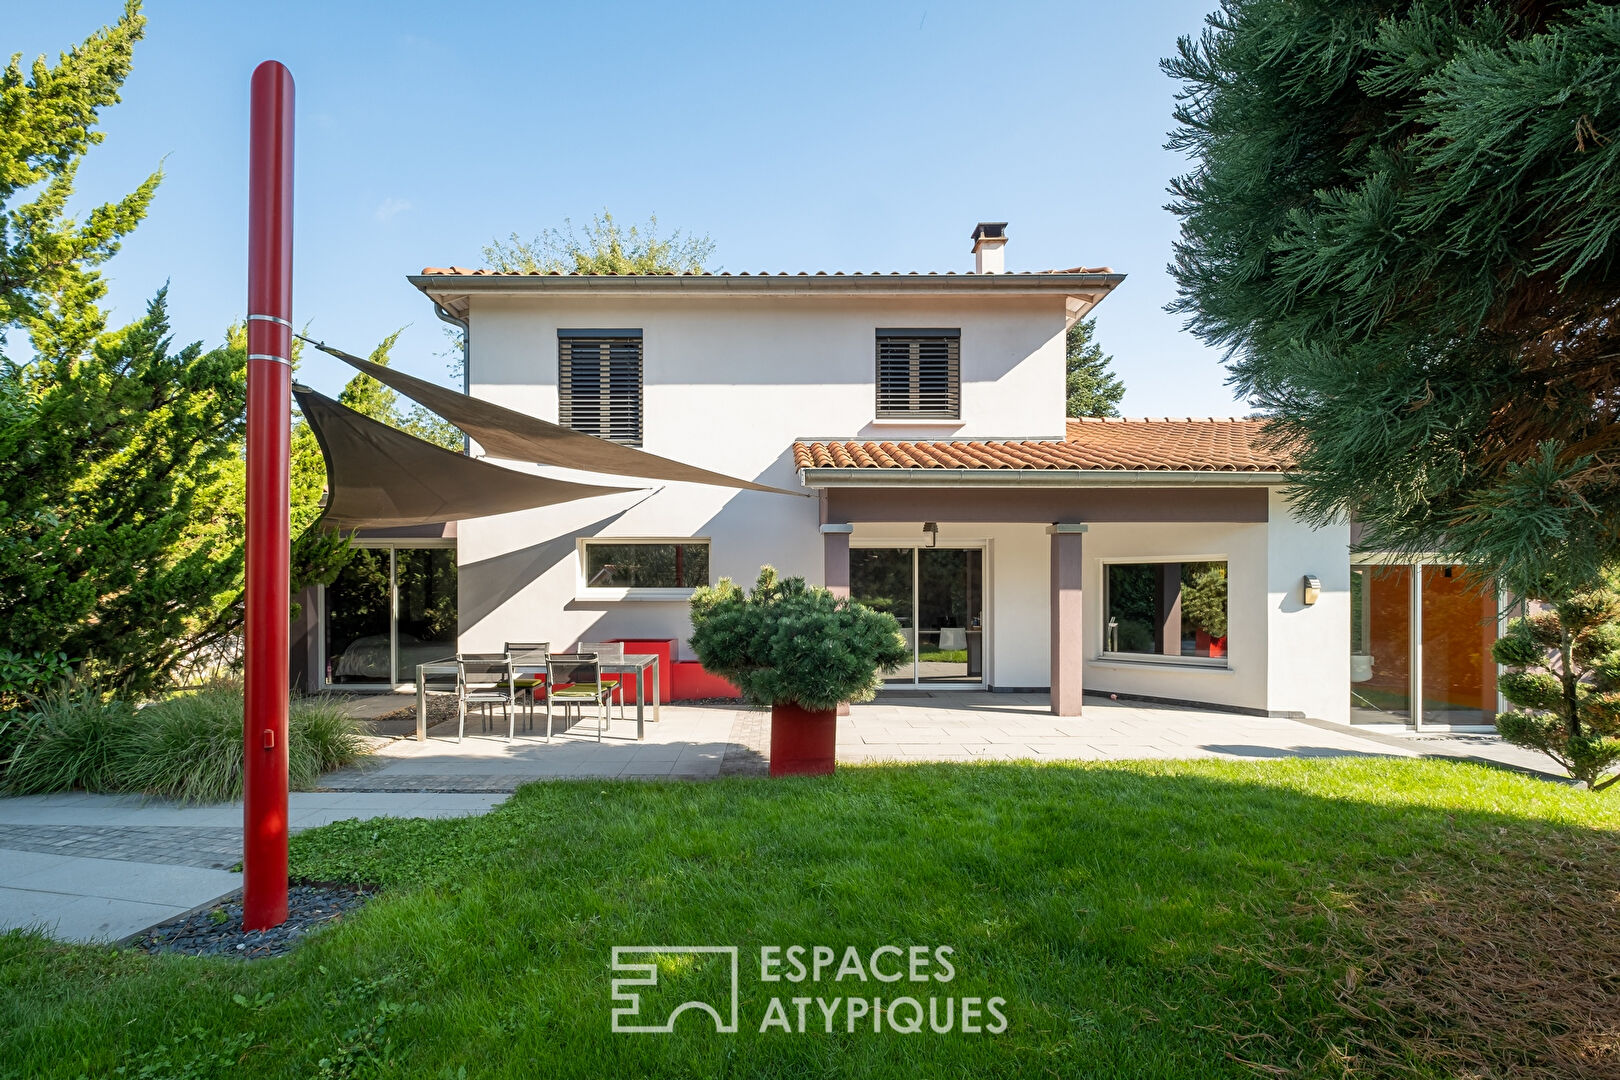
pixel 824 136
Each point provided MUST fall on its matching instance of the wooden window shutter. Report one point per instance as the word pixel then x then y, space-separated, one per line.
pixel 599 383
pixel 919 374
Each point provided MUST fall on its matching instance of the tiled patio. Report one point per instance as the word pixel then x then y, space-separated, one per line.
pixel 696 743
pixel 969 726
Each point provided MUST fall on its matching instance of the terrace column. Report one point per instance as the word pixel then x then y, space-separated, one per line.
pixel 835 575
pixel 1067 652
pixel 835 547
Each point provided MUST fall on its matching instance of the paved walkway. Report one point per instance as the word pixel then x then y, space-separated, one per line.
pixel 103 867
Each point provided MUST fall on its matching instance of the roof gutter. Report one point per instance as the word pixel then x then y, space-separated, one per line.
pixel 461 284
pixel 466 360
pixel 1034 478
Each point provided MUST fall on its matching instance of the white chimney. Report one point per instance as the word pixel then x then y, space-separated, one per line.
pixel 989 240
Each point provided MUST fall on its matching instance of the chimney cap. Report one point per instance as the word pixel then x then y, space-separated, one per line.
pixel 990 230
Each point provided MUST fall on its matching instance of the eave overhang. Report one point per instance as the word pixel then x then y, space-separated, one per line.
pixel 819 478
pixel 453 292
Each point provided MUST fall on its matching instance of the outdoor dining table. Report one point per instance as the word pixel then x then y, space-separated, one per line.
pixel 637 664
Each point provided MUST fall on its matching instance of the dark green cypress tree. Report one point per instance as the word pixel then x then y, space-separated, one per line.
pixel 1091 387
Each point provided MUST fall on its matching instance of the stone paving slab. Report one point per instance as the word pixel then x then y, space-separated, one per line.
pixel 82 899
pixel 85 867
pixel 82 918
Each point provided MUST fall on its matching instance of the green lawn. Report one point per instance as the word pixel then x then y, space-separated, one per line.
pixel 1196 919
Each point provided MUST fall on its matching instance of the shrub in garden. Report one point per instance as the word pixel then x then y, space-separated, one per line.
pixel 67 738
pixel 1564 674
pixel 787 642
pixel 188 747
pixel 22 675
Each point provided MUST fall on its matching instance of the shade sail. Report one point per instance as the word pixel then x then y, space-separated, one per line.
pixel 379 476
pixel 506 433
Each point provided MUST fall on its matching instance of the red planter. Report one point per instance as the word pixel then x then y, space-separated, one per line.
pixel 803 742
pixel 1215 645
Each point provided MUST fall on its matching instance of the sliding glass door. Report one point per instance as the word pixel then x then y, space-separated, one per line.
pixel 1420 645
pixel 357 615
pixel 387 611
pixel 1381 644
pixel 937 594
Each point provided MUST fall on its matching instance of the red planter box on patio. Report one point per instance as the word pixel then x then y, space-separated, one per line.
pixel 1215 645
pixel 663 648
pixel 803 743
pixel 691 681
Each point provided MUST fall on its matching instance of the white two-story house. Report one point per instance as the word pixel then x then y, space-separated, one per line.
pixel 921 416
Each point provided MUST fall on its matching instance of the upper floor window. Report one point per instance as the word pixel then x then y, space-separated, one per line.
pixel 919 374
pixel 599 383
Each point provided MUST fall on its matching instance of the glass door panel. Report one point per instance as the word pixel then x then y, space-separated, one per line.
pixel 1380 644
pixel 426 579
pixel 884 580
pixel 950 608
pixel 356 614
pixel 1459 627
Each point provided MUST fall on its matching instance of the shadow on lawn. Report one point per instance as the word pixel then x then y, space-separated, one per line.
pixel 1491 956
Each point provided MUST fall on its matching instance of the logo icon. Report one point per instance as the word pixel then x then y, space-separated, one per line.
pixel 645 974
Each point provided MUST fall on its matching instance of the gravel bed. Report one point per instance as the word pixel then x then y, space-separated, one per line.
pixel 217 930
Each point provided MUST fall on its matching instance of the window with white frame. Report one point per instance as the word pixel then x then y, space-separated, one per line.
pixel 599 383
pixel 1165 609
pixel 651 565
pixel 919 374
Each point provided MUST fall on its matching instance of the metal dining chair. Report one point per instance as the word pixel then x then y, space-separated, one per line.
pixel 572 679
pixel 609 652
pixel 485 679
pixel 528 685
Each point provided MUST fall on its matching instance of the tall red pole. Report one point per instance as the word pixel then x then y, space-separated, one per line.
pixel 269 425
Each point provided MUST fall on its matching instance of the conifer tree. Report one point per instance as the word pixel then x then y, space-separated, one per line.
pixel 1403 221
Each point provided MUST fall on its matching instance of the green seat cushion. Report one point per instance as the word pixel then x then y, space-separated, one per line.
pixel 583 690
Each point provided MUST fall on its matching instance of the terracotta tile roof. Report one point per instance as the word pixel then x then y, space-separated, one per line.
pixel 467 271
pixel 1189 445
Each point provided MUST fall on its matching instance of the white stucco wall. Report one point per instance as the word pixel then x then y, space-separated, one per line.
pixel 729 384
pixel 732 382
pixel 1309 669
pixel 1242 682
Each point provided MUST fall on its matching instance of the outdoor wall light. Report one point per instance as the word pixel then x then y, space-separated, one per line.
pixel 932 529
pixel 1313 589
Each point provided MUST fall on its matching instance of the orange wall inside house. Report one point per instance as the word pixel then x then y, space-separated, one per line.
pixel 1459 627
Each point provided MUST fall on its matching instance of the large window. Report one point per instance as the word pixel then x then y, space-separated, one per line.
pixel 1165 609
pixel 645 564
pixel 599 383
pixel 387 611
pixel 919 374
